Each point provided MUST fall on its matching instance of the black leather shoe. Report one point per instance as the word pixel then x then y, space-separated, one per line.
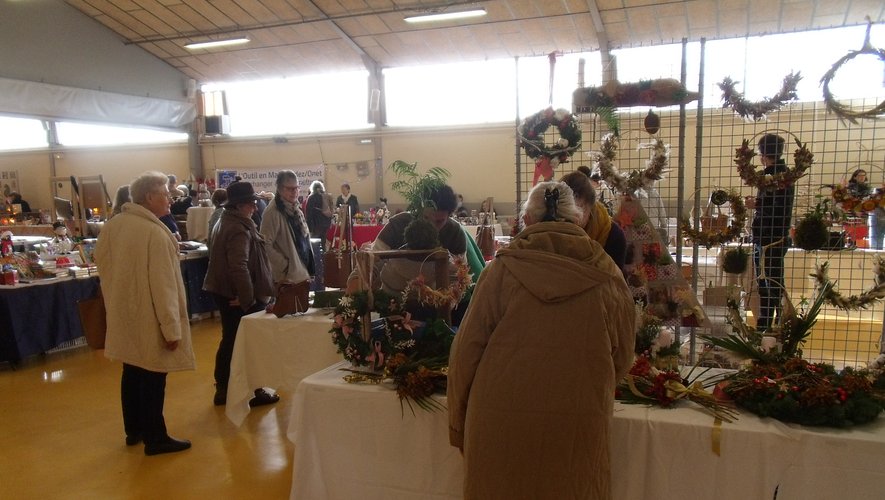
pixel 262 398
pixel 133 440
pixel 171 446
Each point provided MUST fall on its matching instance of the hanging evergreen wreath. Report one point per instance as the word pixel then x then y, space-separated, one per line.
pixel 803 158
pixel 714 237
pixel 655 168
pixel 532 129
pixel 854 302
pixel 735 100
pixel 844 112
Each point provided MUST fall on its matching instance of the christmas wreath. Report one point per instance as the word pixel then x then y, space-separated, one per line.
pixel 744 155
pixel 838 109
pixel 713 237
pixel 854 302
pixel 654 171
pixel 547 157
pixel 347 327
pixel 733 99
pixel 842 196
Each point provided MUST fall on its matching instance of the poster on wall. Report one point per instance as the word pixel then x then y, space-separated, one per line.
pixel 9 182
pixel 264 179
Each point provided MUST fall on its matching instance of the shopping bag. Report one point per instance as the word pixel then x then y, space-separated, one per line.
pixel 291 298
pixel 93 320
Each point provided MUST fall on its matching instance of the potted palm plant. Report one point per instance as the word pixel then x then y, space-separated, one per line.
pixel 416 189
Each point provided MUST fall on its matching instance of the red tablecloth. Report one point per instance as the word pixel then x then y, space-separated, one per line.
pixel 361 233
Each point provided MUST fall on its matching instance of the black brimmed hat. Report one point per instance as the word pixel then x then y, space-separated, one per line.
pixel 240 192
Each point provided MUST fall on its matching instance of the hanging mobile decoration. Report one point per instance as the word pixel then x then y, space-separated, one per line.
pixel 652 123
pixel 743 157
pixel 844 112
pixel 655 168
pixel 733 99
pixel 854 302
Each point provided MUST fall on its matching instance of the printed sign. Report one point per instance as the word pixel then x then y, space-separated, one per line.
pixel 264 179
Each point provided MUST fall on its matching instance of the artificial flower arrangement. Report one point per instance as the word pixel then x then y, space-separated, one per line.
pixel 850 203
pixel 779 384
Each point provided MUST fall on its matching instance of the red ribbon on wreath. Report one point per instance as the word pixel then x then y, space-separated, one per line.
pixel 543 169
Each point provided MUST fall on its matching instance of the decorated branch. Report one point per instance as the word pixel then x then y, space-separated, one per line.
pixel 655 168
pixel 661 92
pixel 645 384
pixel 714 236
pixel 732 98
pixel 844 112
pixel 803 159
pixel 869 297
pixel 548 156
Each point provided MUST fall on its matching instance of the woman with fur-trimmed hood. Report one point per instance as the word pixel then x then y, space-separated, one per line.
pixel 533 369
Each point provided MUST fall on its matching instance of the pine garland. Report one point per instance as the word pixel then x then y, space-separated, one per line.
pixel 854 302
pixel 735 100
pixel 655 168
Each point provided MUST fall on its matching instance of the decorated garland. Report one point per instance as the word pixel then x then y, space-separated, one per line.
pixel 743 156
pixel 854 302
pixel 733 99
pixel 805 393
pixel 838 109
pixel 449 296
pixel 547 157
pixel 654 171
pixel 851 203
pixel 715 237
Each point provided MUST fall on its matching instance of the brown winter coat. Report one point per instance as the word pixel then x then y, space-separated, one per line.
pixel 549 331
pixel 238 265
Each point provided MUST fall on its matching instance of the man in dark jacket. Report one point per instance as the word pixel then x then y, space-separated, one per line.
pixel 771 226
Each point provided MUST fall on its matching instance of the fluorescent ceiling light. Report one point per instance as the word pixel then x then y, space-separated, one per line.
pixel 216 43
pixel 445 16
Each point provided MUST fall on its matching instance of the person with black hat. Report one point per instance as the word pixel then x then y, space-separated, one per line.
pixel 239 278
pixel 771 229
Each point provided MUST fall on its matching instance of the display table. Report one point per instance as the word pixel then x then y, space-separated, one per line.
pixel 277 353
pixel 198 223
pixel 194 265
pixel 354 441
pixel 362 233
pixel 40 316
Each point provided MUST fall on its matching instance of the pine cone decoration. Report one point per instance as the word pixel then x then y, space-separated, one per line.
pixel 652 123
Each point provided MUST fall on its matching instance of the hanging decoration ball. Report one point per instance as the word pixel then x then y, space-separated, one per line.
pixel 719 197
pixel 652 122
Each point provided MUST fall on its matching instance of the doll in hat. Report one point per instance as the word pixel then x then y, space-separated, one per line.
pixel 5 243
pixel 61 240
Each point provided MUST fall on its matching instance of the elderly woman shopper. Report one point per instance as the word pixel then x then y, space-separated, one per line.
pixel 147 320
pixel 533 369
pixel 596 221
pixel 284 228
pixel 239 278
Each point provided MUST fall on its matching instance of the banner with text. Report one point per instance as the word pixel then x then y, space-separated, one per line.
pixel 265 179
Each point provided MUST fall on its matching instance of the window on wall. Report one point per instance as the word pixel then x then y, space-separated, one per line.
pixel 534 80
pixel 21 133
pixel 88 134
pixel 317 103
pixel 451 94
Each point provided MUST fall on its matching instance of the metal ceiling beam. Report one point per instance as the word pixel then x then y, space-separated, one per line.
pixel 609 65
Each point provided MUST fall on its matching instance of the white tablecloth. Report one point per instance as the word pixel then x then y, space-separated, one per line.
pixel 198 223
pixel 277 353
pixel 352 441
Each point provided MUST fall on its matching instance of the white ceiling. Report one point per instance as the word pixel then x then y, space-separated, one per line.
pixel 296 37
